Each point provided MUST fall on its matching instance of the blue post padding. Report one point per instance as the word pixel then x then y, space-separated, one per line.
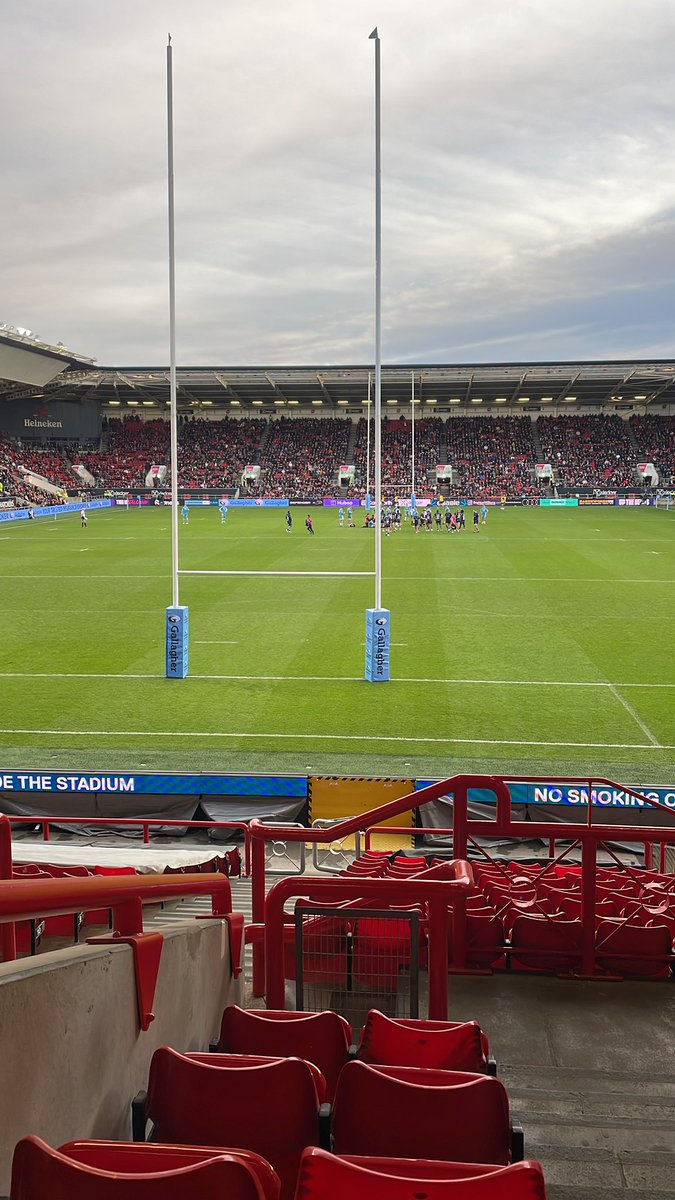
pixel 378 635
pixel 177 642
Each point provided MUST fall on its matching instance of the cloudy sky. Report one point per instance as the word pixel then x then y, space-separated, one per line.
pixel 528 178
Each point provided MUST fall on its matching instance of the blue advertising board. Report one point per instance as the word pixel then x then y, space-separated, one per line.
pixel 571 795
pixel 158 785
pixel 51 510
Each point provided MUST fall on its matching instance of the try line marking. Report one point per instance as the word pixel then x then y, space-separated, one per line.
pixel 562 683
pixel 332 737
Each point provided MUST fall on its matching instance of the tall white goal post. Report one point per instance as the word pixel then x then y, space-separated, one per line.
pixel 177 614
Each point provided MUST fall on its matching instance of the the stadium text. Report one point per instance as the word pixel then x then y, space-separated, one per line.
pixel 67 783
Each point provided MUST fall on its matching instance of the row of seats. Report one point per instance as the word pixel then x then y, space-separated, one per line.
pixel 325 1039
pixel 518 918
pixel 99 1170
pixel 391 1116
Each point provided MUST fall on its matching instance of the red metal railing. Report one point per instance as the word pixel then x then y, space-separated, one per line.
pixel 590 834
pixel 145 823
pixel 433 893
pixel 30 899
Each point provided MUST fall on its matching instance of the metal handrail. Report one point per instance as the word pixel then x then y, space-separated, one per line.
pixel 433 892
pixel 590 834
pixel 145 824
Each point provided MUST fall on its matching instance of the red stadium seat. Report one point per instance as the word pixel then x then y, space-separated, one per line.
pixel 382 947
pixel 326 1176
pixel 441 1045
pixel 411 1112
pixel 484 942
pixel 634 949
pixel 132 1157
pixel 120 1171
pixel 321 1038
pixel 272 1108
pixel 543 944
pixel 232 1062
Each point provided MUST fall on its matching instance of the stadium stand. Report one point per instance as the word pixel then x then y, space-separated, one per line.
pixel 129 448
pixel 397 452
pixel 214 453
pixel 304 455
pixel 493 455
pixel 12 457
pixel 588 451
pixel 655 441
pixel 301 456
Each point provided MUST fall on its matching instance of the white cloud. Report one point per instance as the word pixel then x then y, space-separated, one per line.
pixel 528 185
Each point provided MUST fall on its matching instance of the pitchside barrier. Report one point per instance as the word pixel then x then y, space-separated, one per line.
pixel 53 510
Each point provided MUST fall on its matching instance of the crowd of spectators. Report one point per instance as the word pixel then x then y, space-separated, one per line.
pixel 129 447
pixel 492 455
pixel 303 455
pixel 588 451
pixel 13 484
pixel 655 440
pixel 213 454
pixel 397 452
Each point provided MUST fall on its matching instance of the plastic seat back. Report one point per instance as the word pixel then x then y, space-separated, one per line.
pixel 634 949
pixel 484 941
pixel 41 1173
pixel 133 1157
pixel 540 944
pixel 326 1176
pixel 411 1112
pixel 321 1038
pixel 232 1062
pixel 450 1047
pixel 272 1109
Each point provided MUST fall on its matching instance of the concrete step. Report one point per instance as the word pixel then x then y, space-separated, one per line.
pixel 597 1133
pixel 576 1174
pixel 604 1082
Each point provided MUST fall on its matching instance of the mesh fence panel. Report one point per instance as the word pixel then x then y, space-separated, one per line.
pixel 358 959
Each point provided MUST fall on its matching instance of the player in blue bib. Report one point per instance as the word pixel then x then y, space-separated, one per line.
pixel 223 513
pixel 186 514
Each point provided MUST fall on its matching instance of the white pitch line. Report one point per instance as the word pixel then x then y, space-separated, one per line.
pixel 525 579
pixel 340 574
pixel 552 683
pixel 635 715
pixel 330 737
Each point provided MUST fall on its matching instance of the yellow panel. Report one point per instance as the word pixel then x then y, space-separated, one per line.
pixel 333 796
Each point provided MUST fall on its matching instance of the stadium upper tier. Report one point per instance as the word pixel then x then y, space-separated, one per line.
pixel 302 456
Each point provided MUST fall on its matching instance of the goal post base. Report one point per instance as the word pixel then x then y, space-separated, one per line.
pixel 378 637
pixel 177 642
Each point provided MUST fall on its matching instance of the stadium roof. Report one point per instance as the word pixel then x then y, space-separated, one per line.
pixel 29 365
pixel 510 386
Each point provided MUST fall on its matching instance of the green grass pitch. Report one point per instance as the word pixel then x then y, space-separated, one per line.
pixel 543 644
